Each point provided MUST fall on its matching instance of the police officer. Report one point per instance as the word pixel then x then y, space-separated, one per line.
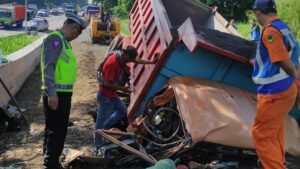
pixel 274 74
pixel 58 72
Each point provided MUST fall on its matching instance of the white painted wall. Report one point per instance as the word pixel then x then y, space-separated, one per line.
pixel 21 64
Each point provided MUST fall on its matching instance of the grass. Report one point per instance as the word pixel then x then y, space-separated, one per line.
pixel 125 21
pixel 11 44
pixel 125 26
pixel 244 28
pixel 287 11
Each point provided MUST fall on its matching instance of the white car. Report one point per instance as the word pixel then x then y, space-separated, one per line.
pixel 54 11
pixel 43 13
pixel 39 24
pixel 70 8
pixel 61 10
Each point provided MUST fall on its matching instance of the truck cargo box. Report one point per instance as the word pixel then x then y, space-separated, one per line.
pixel 161 27
pixel 19 13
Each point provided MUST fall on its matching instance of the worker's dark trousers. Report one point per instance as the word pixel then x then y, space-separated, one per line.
pixel 56 125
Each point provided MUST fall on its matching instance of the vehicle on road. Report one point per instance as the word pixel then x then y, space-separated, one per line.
pixel 55 12
pixel 104 32
pixel 82 9
pixel 12 14
pixel 91 10
pixel 39 24
pixel 71 8
pixel 61 10
pixel 30 14
pixel 33 7
pixel 43 13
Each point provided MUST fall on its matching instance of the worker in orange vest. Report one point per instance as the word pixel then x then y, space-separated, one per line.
pixel 274 74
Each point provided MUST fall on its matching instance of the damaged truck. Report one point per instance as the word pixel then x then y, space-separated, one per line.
pixel 196 105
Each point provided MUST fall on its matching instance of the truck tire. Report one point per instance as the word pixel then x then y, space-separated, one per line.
pixel 19 24
pixel 7 26
pixel 94 40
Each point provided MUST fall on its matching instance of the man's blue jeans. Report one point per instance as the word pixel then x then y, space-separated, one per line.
pixel 109 112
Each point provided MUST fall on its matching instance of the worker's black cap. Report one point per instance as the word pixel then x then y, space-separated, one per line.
pixel 77 19
pixel 264 5
pixel 131 51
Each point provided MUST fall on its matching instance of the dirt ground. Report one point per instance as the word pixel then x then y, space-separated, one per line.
pixel 23 149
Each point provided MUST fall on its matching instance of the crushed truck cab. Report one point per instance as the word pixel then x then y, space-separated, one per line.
pixel 198 102
pixel 192 40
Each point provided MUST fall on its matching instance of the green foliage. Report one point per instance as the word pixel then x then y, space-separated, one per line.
pixel 49 5
pixel 123 8
pixel 231 8
pixel 13 43
pixel 125 26
pixel 119 8
pixel 108 4
pixel 244 29
pixel 288 11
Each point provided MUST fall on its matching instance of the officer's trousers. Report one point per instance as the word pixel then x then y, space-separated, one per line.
pixel 56 125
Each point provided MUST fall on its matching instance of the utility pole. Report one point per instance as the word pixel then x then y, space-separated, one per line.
pixel 26 16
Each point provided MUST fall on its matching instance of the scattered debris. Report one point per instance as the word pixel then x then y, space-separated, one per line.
pixel 10 118
pixel 69 155
pixel 15 103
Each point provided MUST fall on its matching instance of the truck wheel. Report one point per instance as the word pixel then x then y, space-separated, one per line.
pixel 19 24
pixel 7 26
pixel 94 40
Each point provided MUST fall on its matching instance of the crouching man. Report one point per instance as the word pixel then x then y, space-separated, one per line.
pixel 113 76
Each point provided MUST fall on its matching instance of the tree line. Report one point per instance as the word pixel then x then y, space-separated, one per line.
pixel 231 9
pixel 228 8
pixel 119 8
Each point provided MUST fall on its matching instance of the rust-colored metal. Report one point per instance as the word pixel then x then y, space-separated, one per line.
pixel 174 150
pixel 137 126
pixel 139 154
pixel 151 35
pixel 164 98
pixel 117 133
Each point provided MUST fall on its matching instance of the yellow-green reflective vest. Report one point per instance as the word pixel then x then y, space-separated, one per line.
pixel 65 68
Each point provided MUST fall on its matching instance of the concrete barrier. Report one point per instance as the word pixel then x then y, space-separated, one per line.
pixel 21 64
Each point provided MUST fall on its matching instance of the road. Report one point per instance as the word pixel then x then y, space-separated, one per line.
pixel 55 22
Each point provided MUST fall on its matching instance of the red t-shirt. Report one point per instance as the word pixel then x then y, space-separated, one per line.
pixel 110 72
